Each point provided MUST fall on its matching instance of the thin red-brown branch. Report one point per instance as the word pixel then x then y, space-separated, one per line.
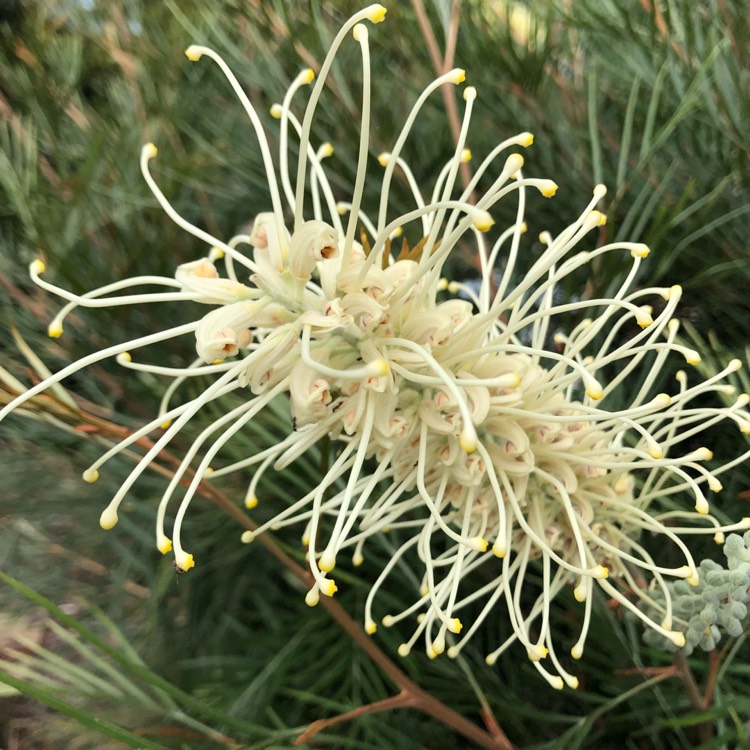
pixel 705 729
pixel 442 64
pixel 661 25
pixel 402 700
pixel 670 671
pixel 714 660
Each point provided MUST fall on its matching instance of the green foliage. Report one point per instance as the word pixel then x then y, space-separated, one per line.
pixel 717 607
pixel 654 104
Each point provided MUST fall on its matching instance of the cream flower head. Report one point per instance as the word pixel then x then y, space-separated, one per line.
pixel 474 421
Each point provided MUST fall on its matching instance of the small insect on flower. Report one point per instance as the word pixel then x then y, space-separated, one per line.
pixel 505 445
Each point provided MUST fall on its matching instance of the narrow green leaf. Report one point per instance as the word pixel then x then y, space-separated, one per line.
pixel 653 108
pixel 151 677
pixel 627 133
pixel 594 139
pixel 49 698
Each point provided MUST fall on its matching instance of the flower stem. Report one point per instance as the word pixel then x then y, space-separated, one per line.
pixel 402 700
pixel 714 660
pixel 443 64
pixel 705 729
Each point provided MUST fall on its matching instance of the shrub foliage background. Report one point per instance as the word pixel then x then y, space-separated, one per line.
pixel 651 98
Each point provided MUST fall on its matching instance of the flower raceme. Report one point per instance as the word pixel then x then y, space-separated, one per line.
pixel 467 423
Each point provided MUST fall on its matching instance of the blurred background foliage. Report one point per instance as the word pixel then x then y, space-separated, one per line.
pixel 102 645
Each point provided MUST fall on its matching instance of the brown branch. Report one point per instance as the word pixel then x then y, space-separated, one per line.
pixel 91 566
pixel 681 669
pixel 452 38
pixel 705 729
pixel 671 671
pixel 661 25
pixel 714 660
pixel 688 680
pixel 187 735
pixel 443 64
pixel 490 721
pixel 402 700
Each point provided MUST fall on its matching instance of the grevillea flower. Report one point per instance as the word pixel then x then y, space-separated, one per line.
pixel 471 421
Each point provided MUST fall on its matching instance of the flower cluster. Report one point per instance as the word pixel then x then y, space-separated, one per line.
pixel 716 607
pixel 464 416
